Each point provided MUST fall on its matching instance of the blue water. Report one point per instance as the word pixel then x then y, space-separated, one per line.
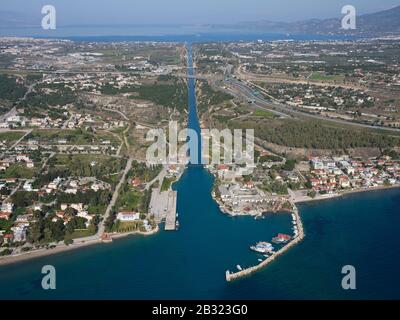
pixel 359 230
pixel 158 33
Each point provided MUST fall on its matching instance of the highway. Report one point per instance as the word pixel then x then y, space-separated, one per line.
pixel 245 91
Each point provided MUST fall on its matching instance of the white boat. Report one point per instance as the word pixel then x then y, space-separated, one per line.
pixel 239 267
pixel 260 260
pixel 262 247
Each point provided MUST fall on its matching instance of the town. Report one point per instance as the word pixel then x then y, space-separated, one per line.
pixel 72 139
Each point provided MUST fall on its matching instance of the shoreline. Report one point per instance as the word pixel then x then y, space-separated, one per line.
pixel 344 193
pixel 38 253
pixel 43 252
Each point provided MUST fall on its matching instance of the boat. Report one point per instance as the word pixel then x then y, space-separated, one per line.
pixel 177 224
pixel 260 260
pixel 281 238
pixel 239 267
pixel 262 247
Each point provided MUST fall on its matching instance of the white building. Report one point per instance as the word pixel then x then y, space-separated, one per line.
pixel 128 216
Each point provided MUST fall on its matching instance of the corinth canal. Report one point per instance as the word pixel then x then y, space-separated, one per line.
pixel 359 229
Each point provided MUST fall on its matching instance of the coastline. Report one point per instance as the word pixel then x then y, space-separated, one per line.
pixel 344 193
pixel 38 253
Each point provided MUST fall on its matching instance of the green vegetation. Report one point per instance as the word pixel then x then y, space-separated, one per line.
pixel 166 184
pixel 24 198
pixel 270 158
pixel 144 173
pixel 5 252
pixel 10 89
pixel 275 187
pixel 172 94
pixel 11 136
pixel 210 97
pixel 123 227
pixel 81 233
pixel 51 95
pixel 5 224
pixel 130 199
pixel 88 197
pixel 263 114
pixel 18 171
pixel 88 165
pixel 315 134
pixel 289 165
pixel 317 76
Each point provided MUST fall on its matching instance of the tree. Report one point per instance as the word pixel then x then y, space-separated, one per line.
pixel 35 231
pixel 312 194
pixel 68 238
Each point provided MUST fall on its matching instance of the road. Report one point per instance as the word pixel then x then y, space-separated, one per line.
pixel 101 227
pixel 19 140
pixel 247 92
pixel 160 178
pixel 114 198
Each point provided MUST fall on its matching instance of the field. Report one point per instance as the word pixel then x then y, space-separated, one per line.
pixel 19 171
pixel 130 200
pixel 263 114
pixel 127 226
pixel 9 137
pixel 317 76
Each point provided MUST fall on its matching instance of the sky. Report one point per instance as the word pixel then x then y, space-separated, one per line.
pixel 148 12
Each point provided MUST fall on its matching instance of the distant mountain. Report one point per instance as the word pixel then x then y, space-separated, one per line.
pixel 381 23
pixel 385 22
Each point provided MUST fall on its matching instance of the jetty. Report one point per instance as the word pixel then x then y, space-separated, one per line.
pixel 298 236
pixel 170 218
pixel 163 206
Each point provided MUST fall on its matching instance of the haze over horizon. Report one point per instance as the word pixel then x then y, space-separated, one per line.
pixel 173 12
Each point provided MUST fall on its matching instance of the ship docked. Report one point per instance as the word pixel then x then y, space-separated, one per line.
pixel 281 238
pixel 262 247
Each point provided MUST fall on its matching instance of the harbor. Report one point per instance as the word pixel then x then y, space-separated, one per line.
pixel 298 235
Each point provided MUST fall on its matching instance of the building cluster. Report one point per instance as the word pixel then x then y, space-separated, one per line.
pixel 331 174
pixel 238 196
pixel 20 121
pixel 65 212
pixel 19 158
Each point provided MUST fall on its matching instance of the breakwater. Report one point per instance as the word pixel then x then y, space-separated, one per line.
pixel 299 236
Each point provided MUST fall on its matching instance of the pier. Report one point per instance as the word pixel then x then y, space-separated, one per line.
pixel 299 236
pixel 170 219
pixel 163 206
